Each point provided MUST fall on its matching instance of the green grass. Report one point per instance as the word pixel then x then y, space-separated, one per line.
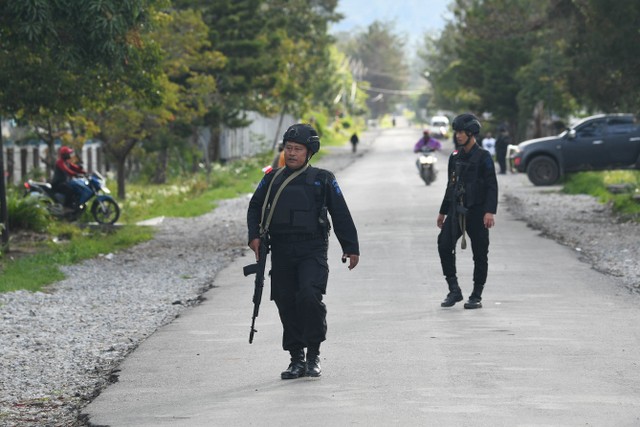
pixel 36 266
pixel 193 196
pixel 71 245
pixel 181 198
pixel 595 184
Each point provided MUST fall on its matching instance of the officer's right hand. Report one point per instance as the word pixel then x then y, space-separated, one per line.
pixel 255 247
pixel 353 260
pixel 440 220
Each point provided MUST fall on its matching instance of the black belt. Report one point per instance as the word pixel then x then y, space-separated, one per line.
pixel 298 237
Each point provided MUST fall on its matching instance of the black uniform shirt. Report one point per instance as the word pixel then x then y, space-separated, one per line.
pixel 479 179
pixel 343 225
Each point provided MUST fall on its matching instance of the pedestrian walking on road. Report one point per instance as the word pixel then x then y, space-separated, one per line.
pixel 354 142
pixel 502 145
pixel 290 208
pixel 489 144
pixel 469 206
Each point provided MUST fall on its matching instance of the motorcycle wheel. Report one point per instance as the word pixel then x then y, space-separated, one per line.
pixel 105 212
pixel 425 174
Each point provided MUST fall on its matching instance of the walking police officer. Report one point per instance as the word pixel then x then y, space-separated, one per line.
pixel 469 206
pixel 291 203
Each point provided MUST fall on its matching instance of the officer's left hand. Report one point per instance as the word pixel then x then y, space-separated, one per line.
pixel 488 220
pixel 353 260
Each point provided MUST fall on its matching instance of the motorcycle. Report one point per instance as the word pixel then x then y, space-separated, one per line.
pixel 426 164
pixel 104 209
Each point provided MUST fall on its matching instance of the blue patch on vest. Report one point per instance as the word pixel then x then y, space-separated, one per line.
pixel 261 183
pixel 336 188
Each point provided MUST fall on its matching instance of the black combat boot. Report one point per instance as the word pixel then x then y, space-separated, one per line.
pixel 297 366
pixel 313 360
pixel 475 299
pixel 454 295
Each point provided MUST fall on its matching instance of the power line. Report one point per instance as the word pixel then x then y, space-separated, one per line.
pixel 391 91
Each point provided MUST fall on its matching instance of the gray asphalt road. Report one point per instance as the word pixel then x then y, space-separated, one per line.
pixel 556 343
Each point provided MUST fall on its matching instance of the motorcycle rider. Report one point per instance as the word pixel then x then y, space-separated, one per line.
pixel 469 205
pixel 426 142
pixel 65 170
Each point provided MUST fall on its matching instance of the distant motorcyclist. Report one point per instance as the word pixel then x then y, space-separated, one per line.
pixel 426 143
pixel 65 170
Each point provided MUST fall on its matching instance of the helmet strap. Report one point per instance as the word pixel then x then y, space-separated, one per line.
pixel 469 134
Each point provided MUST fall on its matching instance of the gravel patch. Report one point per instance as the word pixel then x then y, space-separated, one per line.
pixel 62 346
pixel 606 241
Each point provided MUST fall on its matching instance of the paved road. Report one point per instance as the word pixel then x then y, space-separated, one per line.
pixel 556 344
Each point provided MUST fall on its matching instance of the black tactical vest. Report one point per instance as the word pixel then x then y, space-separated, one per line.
pixel 298 209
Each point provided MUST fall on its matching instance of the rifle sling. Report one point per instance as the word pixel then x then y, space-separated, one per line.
pixel 264 226
pixel 462 218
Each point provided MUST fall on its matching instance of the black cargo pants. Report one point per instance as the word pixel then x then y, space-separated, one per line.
pixel 299 274
pixel 479 236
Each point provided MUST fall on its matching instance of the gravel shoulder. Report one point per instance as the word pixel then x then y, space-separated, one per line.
pixel 609 243
pixel 62 346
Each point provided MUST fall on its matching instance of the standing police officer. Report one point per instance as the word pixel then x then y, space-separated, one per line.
pixel 298 231
pixel 469 205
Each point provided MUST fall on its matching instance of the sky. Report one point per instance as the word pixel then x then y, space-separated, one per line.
pixel 411 17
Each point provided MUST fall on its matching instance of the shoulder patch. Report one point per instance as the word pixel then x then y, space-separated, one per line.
pixel 336 187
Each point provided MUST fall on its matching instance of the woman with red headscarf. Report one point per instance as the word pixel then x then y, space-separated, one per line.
pixel 64 171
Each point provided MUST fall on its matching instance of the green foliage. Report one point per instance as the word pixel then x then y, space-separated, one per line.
pixel 26 213
pixel 71 245
pixel 602 43
pixel 380 51
pixel 62 53
pixel 194 196
pixel 595 184
pixel 527 62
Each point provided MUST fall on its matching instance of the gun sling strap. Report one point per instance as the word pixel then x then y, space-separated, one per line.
pixel 264 225
pixel 462 218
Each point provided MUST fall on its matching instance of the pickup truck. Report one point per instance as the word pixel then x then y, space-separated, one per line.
pixel 601 142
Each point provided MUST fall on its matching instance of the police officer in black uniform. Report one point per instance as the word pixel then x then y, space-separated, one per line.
pixel 469 205
pixel 298 232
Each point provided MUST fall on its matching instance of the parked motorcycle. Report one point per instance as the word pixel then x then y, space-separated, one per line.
pixel 105 209
pixel 426 164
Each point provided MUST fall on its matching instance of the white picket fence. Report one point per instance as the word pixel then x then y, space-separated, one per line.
pixel 20 160
pixel 258 137
pixel 253 139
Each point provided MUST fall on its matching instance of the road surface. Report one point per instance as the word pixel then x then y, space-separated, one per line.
pixel 556 343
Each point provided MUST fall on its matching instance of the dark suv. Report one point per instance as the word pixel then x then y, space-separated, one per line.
pixel 605 141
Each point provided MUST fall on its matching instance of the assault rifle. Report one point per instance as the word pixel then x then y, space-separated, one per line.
pixel 258 269
pixel 457 210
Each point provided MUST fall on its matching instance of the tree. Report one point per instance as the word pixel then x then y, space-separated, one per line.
pixel 381 52
pixel 51 50
pixel 301 46
pixel 236 29
pixel 190 64
pixel 441 61
pixel 602 42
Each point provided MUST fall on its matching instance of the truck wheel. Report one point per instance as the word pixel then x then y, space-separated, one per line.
pixel 543 171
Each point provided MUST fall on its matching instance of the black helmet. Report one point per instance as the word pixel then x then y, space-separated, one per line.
pixel 466 122
pixel 303 134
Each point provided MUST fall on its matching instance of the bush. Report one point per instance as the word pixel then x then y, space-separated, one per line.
pixel 596 183
pixel 26 214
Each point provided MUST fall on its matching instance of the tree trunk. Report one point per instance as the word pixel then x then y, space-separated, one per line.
pixel 50 140
pixel 121 161
pixel 214 144
pixel 160 176
pixel 277 136
pixel 4 215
